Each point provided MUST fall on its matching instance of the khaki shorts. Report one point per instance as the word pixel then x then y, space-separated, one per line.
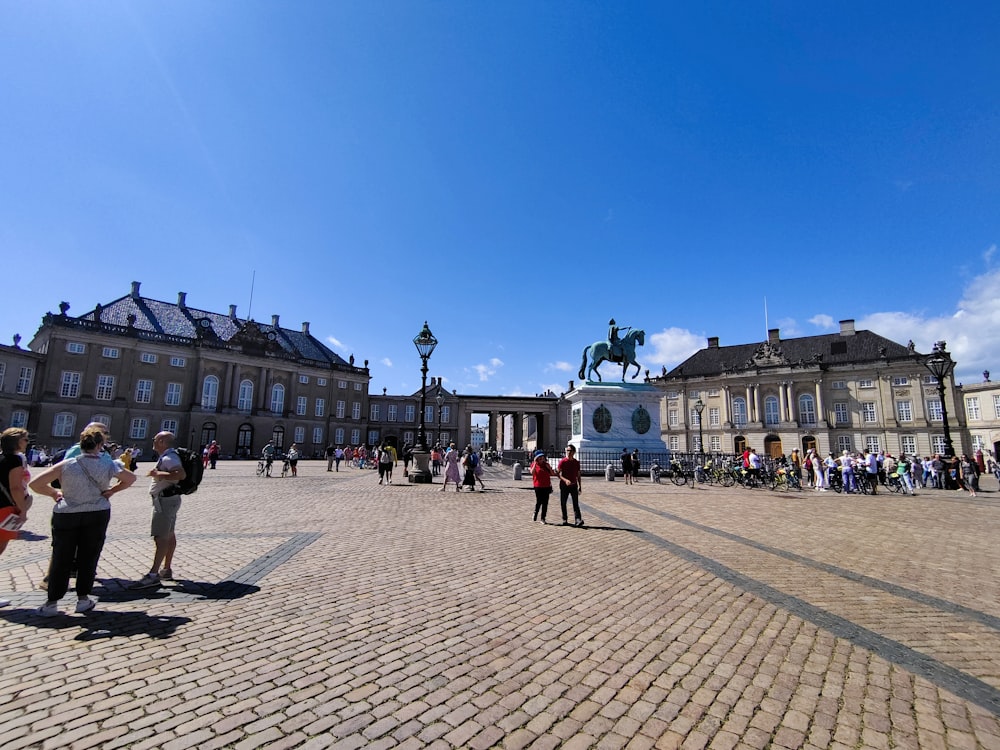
pixel 165 519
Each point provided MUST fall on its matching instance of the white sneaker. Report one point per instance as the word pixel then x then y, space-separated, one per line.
pixel 85 605
pixel 4 602
pixel 49 609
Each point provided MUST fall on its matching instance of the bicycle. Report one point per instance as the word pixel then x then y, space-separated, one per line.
pixel 263 468
pixel 284 468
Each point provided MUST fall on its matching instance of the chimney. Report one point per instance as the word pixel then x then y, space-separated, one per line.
pixel 305 328
pixel 135 290
pixel 847 327
pixel 772 336
pixel 713 342
pixel 182 300
pixel 232 312
pixel 571 386
pixel 274 320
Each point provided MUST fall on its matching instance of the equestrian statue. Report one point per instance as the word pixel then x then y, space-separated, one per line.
pixel 618 349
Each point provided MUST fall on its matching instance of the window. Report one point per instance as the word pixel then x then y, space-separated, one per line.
pixel 696 443
pixel 24 380
pixel 356 410
pixel 139 428
pixel 301 404
pixel 904 411
pixel 996 407
pixel 338 436
pixel 900 380
pixel 807 409
pixel 715 443
pixel 104 419
pixel 930 380
pixel 341 383
pixel 866 383
pixel 75 347
pixel 712 392
pixel 937 444
pixel 177 362
pixel 321 382
pixel 908 444
pixel 410 413
pixel 300 434
pixel 109 352
pixel 245 400
pixel 408 438
pixel 375 412
pixel 70 386
pixel 143 391
pixel 63 425
pixel 391 412
pixel 18 418
pixel 972 407
pixel 934 410
pixel 714 417
pixel 694 395
pixel 428 414
pixel 372 437
pixel 277 398
pixel 844 443
pixel 978 443
pixel 868 412
pixel 674 443
pixel 871 443
pixel 355 436
pixel 445 437
pixel 445 414
pixel 3 371
pixel 340 409
pixel 317 435
pixel 839 385
pixel 304 380
pixel 739 412
pixel 173 395
pixel 148 358
pixel 694 418
pixel 210 393
pixel 357 386
pixel 244 439
pixel 672 420
pixel 278 437
pixel 169 425
pixel 771 413
pixel 320 410
pixel 671 394
pixel 105 387
pixel 840 414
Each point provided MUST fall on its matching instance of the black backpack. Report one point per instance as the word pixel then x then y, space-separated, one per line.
pixel 194 470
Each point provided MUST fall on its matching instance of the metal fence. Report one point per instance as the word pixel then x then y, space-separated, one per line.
pixel 595 462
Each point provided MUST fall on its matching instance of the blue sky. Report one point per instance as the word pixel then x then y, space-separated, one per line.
pixel 514 173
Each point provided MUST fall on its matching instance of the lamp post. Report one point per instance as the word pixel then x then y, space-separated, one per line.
pixel 940 364
pixel 699 407
pixel 439 398
pixel 425 343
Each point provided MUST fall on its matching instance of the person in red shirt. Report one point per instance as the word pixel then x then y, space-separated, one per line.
pixel 541 480
pixel 570 485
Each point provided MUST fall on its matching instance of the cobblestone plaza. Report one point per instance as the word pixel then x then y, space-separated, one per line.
pixel 329 611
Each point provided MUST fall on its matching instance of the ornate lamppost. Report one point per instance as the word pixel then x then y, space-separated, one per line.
pixel 699 407
pixel 425 343
pixel 940 364
pixel 439 398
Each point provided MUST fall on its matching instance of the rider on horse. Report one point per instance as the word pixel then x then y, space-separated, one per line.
pixel 616 343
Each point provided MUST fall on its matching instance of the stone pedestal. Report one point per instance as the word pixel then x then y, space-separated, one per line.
pixel 613 416
pixel 420 473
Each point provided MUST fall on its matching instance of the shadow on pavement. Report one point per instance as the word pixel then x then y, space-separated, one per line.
pixel 100 624
pixel 117 590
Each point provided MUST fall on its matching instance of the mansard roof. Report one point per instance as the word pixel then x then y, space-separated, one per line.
pixel 833 349
pixel 153 319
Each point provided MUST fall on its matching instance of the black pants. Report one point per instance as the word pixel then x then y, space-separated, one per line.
pixel 542 501
pixel 566 492
pixel 80 537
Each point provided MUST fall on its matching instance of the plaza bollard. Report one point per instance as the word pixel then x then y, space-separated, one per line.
pixel 517 471
pixel 609 473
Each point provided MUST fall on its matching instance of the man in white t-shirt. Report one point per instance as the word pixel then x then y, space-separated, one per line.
pixel 167 472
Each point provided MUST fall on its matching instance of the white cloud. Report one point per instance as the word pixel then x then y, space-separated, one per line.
pixel 822 321
pixel 486 371
pixel 989 253
pixel 336 343
pixel 672 346
pixel 789 327
pixel 560 366
pixel 972 331
pixel 386 361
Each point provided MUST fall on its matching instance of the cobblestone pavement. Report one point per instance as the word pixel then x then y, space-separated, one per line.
pixel 329 611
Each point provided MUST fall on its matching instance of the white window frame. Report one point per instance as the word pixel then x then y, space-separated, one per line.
pixel 304 380
pixel 356 410
pixel 355 436
pixel 934 411
pixel 64 424
pixel 24 380
pixel 357 386
pixel 672 418
pixel 342 384
pixel 321 381
pixel 772 411
pixel 301 406
pixel 341 409
pixel 714 418
pixel 410 413
pixel 807 409
pixel 169 425
pixel 317 436
pixel 869 412
pixel 320 408
pixel 338 436
pixel 391 411
pixel 76 347
pixel 139 428
pixel 866 383
pixel 904 410
pixel 740 415
pixel 277 398
pixel 178 362
pixel 143 391
pixel 110 352
pixel 900 380
pixel 972 410
pixel 18 418
pixel 838 385
pixel 446 414
pixel 105 388
pixel 908 444
pixel 872 444
pixel 69 384
pixel 244 400
pixel 844 443
pixel 300 434
pixel 148 358
pixel 841 413
pixel 210 392
pixel 373 437
pixel 173 395
pixel 715 443
pixel 375 412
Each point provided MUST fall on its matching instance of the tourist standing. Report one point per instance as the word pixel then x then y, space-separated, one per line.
pixel 570 485
pixel 14 476
pixel 452 471
pixel 541 481
pixel 163 478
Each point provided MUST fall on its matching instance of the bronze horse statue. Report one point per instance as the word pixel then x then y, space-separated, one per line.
pixel 601 351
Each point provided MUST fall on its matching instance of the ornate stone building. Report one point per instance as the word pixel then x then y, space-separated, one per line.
pixel 851 390
pixel 141 365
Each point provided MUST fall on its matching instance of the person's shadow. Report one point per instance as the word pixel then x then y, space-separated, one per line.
pixel 117 590
pixel 100 623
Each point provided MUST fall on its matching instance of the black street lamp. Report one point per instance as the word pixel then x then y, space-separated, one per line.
pixel 940 364
pixel 425 343
pixel 699 407
pixel 439 398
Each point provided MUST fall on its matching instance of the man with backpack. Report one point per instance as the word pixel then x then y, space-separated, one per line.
pixel 165 476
